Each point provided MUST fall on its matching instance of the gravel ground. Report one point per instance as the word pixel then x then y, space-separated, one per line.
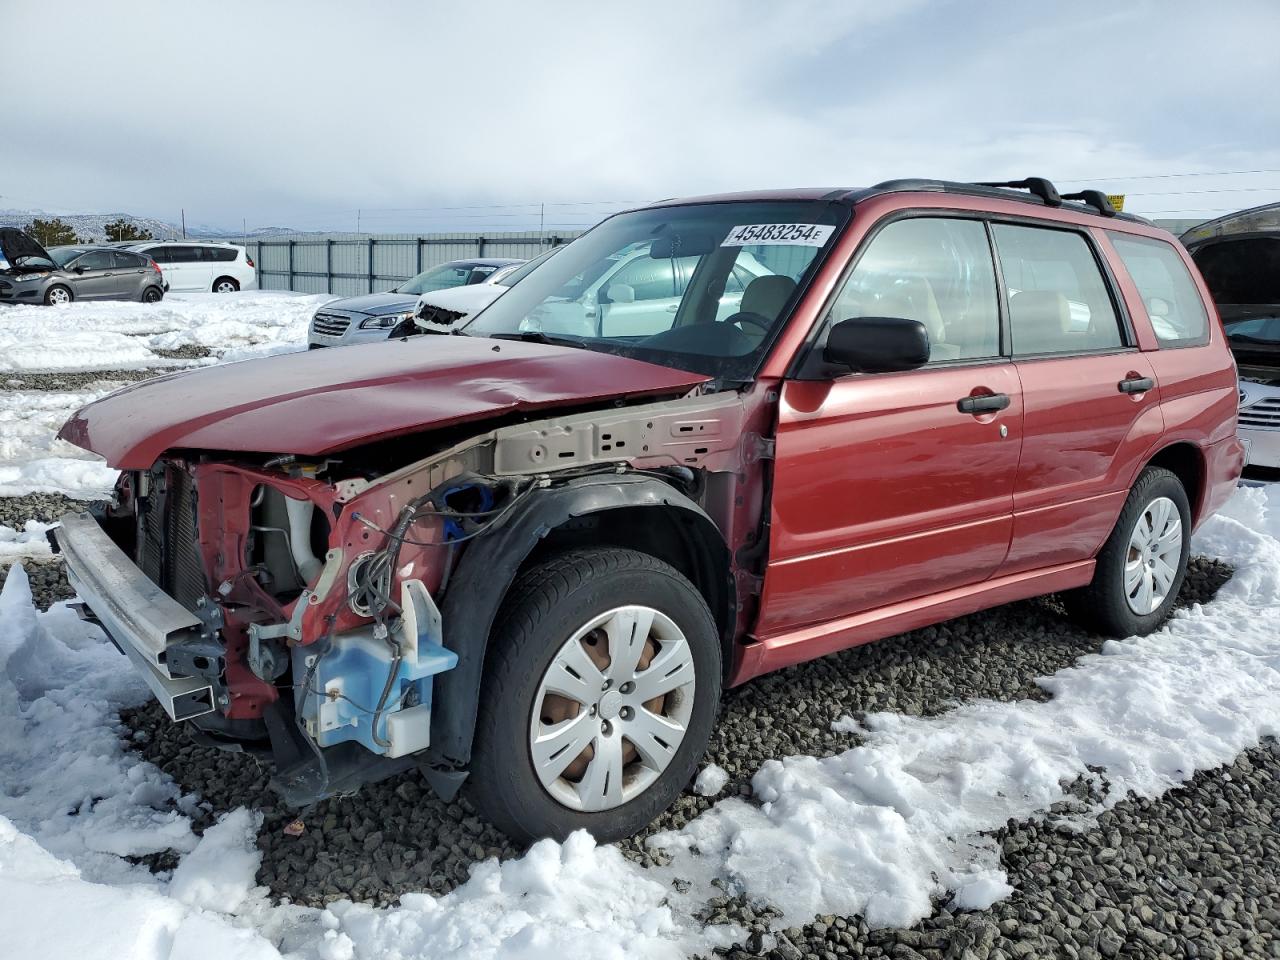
pixel 1195 873
pixel 397 836
pixel 77 380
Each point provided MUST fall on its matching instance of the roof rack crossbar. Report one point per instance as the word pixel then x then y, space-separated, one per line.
pixel 1094 198
pixel 1042 188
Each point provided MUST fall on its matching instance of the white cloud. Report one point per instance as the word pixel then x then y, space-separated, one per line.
pixel 304 111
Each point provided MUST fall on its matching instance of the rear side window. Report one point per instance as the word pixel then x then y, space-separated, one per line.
pixel 220 254
pixel 934 270
pixel 1173 303
pixel 129 261
pixel 1058 299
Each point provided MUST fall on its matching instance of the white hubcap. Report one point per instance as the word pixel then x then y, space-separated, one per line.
pixel 612 708
pixel 58 296
pixel 1155 551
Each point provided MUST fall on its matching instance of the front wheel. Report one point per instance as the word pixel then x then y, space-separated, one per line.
pixel 225 285
pixel 600 692
pixel 1141 567
pixel 58 294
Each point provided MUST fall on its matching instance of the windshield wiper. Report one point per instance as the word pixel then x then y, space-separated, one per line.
pixel 537 336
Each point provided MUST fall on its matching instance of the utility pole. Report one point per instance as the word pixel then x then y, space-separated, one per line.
pixel 542 223
pixel 184 223
pixel 357 221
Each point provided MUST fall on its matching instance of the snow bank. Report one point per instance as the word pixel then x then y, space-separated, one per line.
pixel 877 830
pixel 30 541
pixel 115 335
pixel 880 829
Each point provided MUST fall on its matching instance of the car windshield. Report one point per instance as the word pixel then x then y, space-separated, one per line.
pixel 446 275
pixel 64 255
pixel 1255 330
pixel 512 277
pixel 702 287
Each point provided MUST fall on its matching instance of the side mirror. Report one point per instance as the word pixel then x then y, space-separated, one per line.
pixel 621 293
pixel 78 270
pixel 878 344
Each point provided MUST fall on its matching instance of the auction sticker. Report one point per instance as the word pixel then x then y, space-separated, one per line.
pixel 785 234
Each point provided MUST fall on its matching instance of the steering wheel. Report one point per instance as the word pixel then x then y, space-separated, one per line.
pixel 755 319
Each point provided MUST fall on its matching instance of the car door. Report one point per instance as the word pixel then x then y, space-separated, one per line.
pixel 197 270
pixel 1086 392
pixel 129 270
pixel 890 487
pixel 92 275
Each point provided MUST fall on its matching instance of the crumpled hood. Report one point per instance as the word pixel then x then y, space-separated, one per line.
pixel 322 401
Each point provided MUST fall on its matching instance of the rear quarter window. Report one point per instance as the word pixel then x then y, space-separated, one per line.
pixel 1173 303
pixel 220 254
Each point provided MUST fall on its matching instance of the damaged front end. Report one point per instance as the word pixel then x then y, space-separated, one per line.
pixel 292 607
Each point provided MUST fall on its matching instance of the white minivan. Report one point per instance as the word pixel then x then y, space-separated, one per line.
pixel 204 266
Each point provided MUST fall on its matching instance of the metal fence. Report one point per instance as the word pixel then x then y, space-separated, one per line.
pixel 349 264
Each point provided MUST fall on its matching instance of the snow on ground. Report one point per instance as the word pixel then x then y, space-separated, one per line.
pixel 117 335
pixel 114 335
pixel 32 460
pixel 30 541
pixel 877 830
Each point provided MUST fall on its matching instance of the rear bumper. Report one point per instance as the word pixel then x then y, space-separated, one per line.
pixel 140 618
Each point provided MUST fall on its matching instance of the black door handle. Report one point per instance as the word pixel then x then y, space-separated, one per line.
pixel 984 403
pixel 1136 385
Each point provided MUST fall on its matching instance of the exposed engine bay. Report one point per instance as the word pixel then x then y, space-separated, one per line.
pixel 317 585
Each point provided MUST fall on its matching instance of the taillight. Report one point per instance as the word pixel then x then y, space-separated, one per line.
pixel 155 266
pixel 248 259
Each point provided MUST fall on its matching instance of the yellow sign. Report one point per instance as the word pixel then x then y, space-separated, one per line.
pixel 1117 201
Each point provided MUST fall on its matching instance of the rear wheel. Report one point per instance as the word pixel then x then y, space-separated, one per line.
pixel 58 294
pixel 226 285
pixel 1143 563
pixel 152 295
pixel 600 692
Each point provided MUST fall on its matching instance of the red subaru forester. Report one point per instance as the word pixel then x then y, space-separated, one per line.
pixel 707 439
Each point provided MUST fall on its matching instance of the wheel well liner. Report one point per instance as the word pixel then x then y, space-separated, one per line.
pixel 1186 462
pixel 490 564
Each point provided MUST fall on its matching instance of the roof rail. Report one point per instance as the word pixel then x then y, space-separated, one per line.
pixel 1041 187
pixel 1094 198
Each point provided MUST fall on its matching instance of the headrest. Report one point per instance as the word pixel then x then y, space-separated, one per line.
pixel 767 296
pixel 1045 311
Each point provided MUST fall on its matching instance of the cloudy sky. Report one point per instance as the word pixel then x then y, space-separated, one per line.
pixel 430 115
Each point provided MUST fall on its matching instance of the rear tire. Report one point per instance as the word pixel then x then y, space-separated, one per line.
pixel 586 609
pixel 152 295
pixel 1141 567
pixel 58 294
pixel 226 285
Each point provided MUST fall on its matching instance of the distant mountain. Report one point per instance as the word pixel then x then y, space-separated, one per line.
pixel 92 227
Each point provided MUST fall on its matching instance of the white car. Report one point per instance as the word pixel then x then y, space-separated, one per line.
pixel 437 309
pixel 634 294
pixel 205 266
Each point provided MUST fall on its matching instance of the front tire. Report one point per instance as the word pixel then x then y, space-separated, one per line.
pixel 600 692
pixel 1141 567
pixel 226 285
pixel 58 294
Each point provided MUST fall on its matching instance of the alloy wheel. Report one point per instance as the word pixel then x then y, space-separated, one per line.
pixel 612 708
pixel 1155 551
pixel 59 296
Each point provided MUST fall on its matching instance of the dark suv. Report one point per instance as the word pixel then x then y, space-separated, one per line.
pixel 530 557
